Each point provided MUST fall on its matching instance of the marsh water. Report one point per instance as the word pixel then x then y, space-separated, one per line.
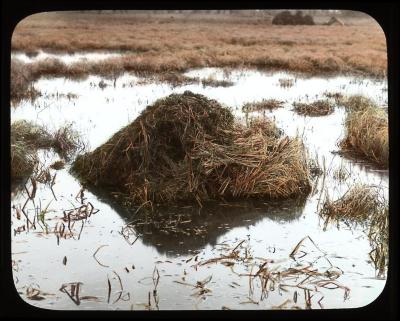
pixel 116 271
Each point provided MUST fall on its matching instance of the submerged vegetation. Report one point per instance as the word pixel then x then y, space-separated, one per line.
pixel 206 155
pixel 367 132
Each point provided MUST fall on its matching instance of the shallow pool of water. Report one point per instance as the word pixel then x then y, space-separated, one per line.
pixel 117 275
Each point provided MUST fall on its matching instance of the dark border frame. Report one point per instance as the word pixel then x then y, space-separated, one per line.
pixel 385 13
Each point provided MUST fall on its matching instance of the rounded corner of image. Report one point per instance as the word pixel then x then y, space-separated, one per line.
pixel 22 19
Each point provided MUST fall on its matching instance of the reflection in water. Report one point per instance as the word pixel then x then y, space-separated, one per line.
pixel 181 230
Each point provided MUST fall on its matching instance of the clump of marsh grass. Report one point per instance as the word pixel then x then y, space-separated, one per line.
pixel 357 204
pixel 206 155
pixel 367 135
pixel 364 205
pixel 212 82
pixel 316 108
pixel 27 138
pixel 355 102
pixel 378 235
pixel 262 105
pixel 66 141
pixel 31 134
pixel 21 82
pixel 23 160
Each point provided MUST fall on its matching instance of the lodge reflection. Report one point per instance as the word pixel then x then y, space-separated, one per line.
pixel 184 229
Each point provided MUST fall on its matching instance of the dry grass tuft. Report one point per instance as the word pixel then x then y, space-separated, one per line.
pixel 21 82
pixel 187 148
pixel 378 235
pixel 357 204
pixel 355 102
pixel 367 135
pixel 317 108
pixel 364 205
pixel 66 142
pixel 212 82
pixel 23 160
pixel 262 105
pixel 26 138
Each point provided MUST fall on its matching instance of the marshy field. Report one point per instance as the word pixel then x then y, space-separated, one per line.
pixel 198 160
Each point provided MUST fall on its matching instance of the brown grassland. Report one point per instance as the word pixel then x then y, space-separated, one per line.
pixel 163 43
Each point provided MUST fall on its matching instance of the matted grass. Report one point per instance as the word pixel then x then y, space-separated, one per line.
pixel 262 105
pixel 316 108
pixel 187 148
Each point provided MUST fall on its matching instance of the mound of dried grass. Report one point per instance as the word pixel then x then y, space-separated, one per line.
pixel 187 148
pixel 367 135
pixel 316 108
pixel 262 105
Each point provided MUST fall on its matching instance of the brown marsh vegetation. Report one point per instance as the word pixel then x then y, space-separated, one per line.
pixel 364 205
pixel 205 156
pixel 262 105
pixel 159 44
pixel 27 138
pixel 367 131
pixel 316 108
